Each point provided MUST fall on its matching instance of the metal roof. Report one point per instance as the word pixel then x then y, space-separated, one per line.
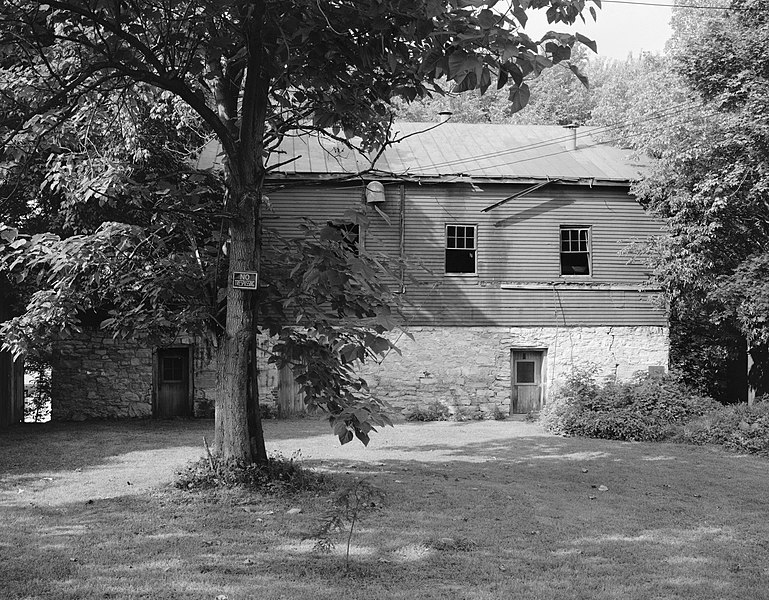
pixel 461 151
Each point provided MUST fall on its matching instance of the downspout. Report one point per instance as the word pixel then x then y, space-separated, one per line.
pixel 402 235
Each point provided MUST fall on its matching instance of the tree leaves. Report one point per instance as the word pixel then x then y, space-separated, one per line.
pixel 519 97
pixel 251 73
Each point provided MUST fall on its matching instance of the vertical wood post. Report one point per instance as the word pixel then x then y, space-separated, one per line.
pixel 290 396
pixel 402 235
pixel 751 389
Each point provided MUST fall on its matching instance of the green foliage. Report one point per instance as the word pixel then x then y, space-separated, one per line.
pixel 37 405
pixel 279 476
pixel 646 409
pixel 89 88
pixel 710 184
pixel 708 356
pixel 434 411
pixel 499 414
pixel 437 411
pixel 740 428
pixel 467 413
pixel 142 282
pixel 348 506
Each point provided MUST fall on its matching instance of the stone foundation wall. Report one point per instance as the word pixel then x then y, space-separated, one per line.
pixel 468 368
pixel 96 377
pixel 464 368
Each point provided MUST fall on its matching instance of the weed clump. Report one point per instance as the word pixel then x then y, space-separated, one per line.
pixel 280 476
pixel 460 544
pixel 435 411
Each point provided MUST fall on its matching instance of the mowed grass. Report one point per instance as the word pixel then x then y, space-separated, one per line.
pixel 472 510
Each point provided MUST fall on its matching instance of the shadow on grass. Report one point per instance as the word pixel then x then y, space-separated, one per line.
pixel 539 531
pixel 59 446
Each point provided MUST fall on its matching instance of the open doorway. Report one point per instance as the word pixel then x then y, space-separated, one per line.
pixel 173 383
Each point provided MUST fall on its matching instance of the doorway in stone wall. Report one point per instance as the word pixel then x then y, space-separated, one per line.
pixel 172 383
pixel 527 368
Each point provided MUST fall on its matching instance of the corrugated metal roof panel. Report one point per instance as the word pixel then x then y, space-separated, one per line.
pixel 483 151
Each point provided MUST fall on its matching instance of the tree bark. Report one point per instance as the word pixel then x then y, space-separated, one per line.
pixel 255 432
pixel 238 433
pixel 232 439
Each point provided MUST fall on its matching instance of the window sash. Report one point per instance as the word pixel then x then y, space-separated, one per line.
pixel 575 239
pixel 460 237
pixel 461 242
pixel 575 251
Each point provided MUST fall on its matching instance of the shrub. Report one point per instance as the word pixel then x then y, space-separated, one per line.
pixel 740 427
pixel 435 411
pixel 646 409
pixel 467 413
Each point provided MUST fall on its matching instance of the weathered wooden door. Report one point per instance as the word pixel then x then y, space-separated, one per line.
pixel 173 383
pixel 527 386
pixel 290 395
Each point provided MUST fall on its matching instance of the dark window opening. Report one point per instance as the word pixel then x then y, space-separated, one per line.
pixel 173 368
pixel 575 251
pixel 460 248
pixel 524 371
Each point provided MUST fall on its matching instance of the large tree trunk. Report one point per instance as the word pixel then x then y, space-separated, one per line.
pixel 238 422
pixel 232 440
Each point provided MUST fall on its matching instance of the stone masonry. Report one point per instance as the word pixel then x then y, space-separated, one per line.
pixel 469 368
pixel 94 376
pixel 464 368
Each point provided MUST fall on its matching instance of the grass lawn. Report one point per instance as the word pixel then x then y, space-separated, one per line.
pixel 472 511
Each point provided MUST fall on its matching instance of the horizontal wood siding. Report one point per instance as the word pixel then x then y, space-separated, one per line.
pixel 464 303
pixel 517 242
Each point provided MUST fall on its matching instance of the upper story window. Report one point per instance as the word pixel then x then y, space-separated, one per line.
pixel 575 251
pixel 461 246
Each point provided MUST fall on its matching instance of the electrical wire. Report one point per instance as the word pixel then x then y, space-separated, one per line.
pixel 567 137
pixel 661 4
pixel 670 111
pixel 540 156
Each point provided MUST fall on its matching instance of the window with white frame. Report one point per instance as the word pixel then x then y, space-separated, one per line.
pixel 575 250
pixel 461 248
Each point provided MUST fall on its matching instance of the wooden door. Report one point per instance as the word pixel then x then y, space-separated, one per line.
pixel 290 395
pixel 173 383
pixel 527 386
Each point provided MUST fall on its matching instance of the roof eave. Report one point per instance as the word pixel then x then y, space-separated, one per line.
pixel 438 179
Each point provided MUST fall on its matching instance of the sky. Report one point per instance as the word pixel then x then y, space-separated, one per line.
pixel 619 30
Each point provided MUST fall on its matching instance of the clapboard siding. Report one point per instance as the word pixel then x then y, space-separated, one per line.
pixel 464 303
pixel 526 245
pixel 518 242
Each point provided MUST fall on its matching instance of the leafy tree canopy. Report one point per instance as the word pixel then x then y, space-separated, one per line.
pixel 85 86
pixel 711 184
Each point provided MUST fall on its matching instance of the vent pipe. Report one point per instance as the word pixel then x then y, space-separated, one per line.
pixel 572 143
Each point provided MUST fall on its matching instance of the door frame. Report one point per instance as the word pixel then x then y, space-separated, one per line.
pixel 542 350
pixel 190 376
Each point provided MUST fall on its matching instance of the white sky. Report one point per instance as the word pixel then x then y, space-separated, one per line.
pixel 619 30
